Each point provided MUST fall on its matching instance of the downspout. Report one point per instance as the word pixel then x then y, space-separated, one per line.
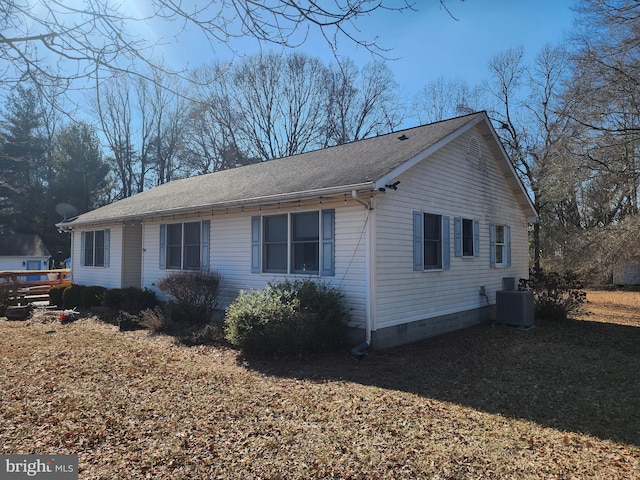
pixel 359 350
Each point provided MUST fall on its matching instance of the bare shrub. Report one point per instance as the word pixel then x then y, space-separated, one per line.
pixel 194 295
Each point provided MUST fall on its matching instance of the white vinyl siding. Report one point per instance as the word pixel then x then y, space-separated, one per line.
pixel 109 276
pixel 231 246
pixel 448 184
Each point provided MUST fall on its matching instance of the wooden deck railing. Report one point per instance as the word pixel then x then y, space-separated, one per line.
pixel 33 285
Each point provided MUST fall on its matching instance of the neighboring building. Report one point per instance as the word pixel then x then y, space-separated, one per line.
pixel 23 252
pixel 418 228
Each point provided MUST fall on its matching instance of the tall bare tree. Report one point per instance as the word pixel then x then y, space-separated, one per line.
pixel 361 102
pixel 64 43
pixel 445 98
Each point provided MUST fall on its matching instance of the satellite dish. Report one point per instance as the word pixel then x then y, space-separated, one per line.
pixel 66 210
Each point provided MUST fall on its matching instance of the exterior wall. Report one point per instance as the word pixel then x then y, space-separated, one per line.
pixel 451 183
pixel 16 263
pixel 110 276
pixel 230 252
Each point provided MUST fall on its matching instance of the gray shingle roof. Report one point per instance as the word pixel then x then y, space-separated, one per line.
pixel 352 165
pixel 22 245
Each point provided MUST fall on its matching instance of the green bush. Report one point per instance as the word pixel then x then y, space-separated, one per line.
pixel 130 299
pixel 55 295
pixel 287 318
pixel 92 296
pixel 71 296
pixel 556 295
pixel 194 295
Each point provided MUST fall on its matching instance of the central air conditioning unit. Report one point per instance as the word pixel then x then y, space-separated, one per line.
pixel 514 307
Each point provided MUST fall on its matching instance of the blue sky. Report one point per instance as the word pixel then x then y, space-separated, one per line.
pixel 428 43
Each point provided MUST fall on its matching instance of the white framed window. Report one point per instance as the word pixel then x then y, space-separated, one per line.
pixel 466 237
pixel 185 246
pixel 430 241
pixel 499 245
pixel 94 248
pixel 293 243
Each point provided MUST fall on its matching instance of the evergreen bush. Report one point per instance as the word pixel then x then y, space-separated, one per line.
pixel 287 318
pixel 71 296
pixel 55 295
pixel 92 296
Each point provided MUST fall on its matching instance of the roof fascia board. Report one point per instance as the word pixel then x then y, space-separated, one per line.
pixel 383 181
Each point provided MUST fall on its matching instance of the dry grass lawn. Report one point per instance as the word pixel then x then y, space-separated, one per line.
pixel 561 401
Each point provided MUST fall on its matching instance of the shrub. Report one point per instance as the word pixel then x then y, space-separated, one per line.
pixel 287 318
pixel 194 295
pixel 556 295
pixel 130 299
pixel 156 319
pixel 5 297
pixel 71 296
pixel 92 296
pixel 55 295
pixel 128 321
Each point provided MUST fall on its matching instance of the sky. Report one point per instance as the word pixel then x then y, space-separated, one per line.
pixel 428 43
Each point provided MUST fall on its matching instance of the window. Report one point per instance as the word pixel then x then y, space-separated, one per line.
pixel 94 246
pixel 431 241
pixel 500 245
pixel 305 242
pixel 274 257
pixel 500 257
pixel 184 246
pixel 293 243
pixel 466 237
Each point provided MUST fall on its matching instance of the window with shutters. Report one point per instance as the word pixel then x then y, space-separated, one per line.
pixel 294 243
pixel 430 241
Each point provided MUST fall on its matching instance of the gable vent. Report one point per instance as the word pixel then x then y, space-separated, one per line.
pixel 473 147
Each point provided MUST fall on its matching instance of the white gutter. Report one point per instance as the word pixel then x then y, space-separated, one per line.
pixel 255 201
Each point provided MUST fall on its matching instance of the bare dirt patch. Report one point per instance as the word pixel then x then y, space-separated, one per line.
pixel 559 401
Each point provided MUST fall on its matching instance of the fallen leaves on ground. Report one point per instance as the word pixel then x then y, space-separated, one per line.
pixel 489 402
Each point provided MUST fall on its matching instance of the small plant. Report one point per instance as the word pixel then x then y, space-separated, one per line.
pixel 156 319
pixel 287 318
pixel 556 295
pixel 194 295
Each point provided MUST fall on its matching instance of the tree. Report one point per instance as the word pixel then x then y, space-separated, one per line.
pixel 533 122
pixel 445 98
pixel 23 147
pixel 57 42
pixel 81 172
pixel 115 112
pixel 361 103
pixel 279 104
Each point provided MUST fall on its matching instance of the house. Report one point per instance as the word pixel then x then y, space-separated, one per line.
pixel 418 228
pixel 23 252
